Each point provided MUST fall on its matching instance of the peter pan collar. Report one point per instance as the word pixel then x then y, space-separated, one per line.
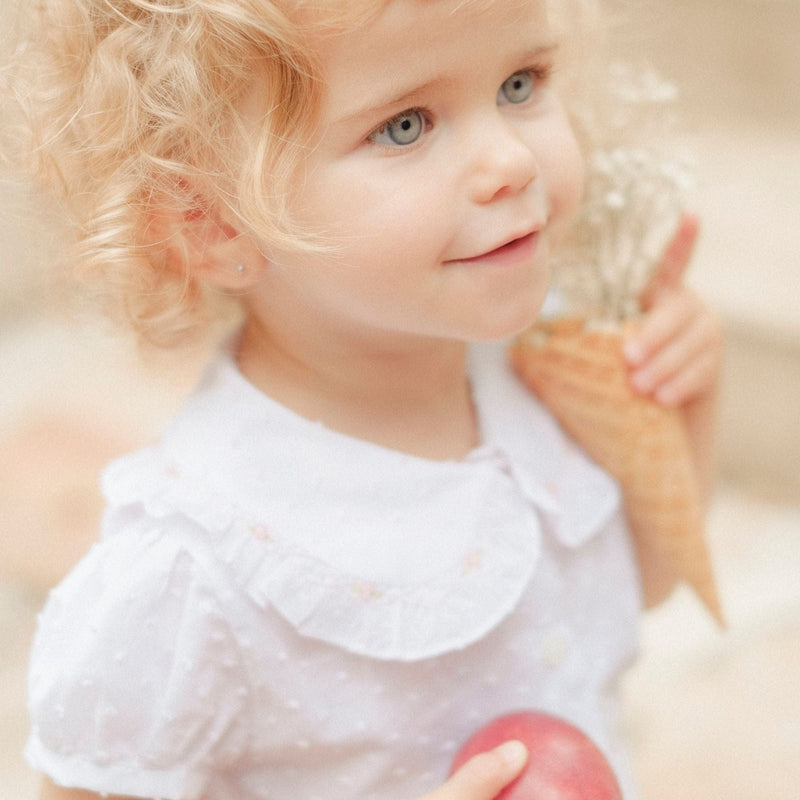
pixel 382 553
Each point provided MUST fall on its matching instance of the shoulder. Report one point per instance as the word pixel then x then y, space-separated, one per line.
pixel 512 415
pixel 550 463
pixel 128 652
pixel 138 595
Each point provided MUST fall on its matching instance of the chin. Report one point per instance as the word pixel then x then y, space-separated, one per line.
pixel 514 319
pixel 499 329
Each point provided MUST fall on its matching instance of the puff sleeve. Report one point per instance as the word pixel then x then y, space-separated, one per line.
pixel 135 685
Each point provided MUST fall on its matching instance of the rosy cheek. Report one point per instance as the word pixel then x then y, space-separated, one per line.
pixel 578 183
pixel 567 192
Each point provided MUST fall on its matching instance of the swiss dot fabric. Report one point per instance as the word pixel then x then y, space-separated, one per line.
pixel 278 611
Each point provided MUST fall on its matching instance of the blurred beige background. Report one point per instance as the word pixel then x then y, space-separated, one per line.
pixel 710 713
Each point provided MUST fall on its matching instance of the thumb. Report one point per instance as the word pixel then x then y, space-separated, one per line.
pixel 485 775
pixel 674 262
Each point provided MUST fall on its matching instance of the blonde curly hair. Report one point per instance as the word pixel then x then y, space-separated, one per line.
pixel 134 108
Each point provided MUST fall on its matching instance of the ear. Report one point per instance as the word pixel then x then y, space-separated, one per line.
pixel 198 241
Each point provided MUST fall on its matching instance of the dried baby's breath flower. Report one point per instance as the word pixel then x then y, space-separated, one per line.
pixel 635 191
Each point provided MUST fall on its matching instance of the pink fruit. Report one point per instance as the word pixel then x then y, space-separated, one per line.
pixel 563 762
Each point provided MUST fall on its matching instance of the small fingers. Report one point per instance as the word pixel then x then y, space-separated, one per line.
pixel 679 251
pixel 678 357
pixel 688 383
pixel 484 775
pixel 674 313
pixel 667 362
pixel 675 260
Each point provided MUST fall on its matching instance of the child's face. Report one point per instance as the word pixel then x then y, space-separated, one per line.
pixel 444 171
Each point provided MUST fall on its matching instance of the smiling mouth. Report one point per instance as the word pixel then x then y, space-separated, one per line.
pixel 508 251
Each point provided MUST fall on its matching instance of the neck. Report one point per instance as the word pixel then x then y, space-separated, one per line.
pixel 414 398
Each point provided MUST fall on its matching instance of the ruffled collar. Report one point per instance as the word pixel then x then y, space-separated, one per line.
pixel 382 553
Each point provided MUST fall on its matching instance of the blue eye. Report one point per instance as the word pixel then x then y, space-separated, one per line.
pixel 402 130
pixel 517 89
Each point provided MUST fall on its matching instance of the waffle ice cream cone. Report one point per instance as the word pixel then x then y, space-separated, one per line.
pixel 581 376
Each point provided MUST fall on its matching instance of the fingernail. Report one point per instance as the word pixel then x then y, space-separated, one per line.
pixel 514 753
pixel 667 396
pixel 633 352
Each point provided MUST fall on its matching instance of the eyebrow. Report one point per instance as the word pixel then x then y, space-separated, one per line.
pixel 404 97
pixel 391 99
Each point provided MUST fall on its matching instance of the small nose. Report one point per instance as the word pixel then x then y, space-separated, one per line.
pixel 503 162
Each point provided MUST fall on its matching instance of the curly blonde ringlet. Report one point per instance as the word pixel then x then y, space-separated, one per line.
pixel 132 109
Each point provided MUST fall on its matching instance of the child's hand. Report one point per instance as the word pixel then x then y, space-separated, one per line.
pixel 484 775
pixel 676 355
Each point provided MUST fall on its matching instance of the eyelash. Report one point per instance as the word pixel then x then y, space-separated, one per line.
pixel 427 118
pixel 541 74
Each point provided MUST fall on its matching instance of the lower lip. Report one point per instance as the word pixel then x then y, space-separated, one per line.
pixel 516 252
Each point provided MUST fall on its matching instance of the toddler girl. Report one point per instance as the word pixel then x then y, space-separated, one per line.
pixel 361 538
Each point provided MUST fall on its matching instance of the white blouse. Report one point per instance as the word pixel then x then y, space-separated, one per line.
pixel 277 611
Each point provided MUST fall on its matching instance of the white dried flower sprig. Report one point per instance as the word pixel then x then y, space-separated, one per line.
pixel 635 192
